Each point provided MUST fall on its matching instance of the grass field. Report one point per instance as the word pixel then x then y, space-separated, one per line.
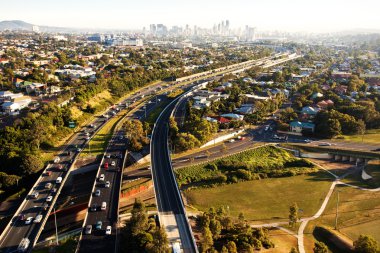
pixel 266 200
pixel 283 241
pixel 359 213
pixel 371 136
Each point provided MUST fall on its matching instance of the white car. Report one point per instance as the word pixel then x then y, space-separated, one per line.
pixel 108 230
pixel 49 198
pixel 38 219
pixel 107 185
pixel 113 163
pixel 28 220
pixel 101 177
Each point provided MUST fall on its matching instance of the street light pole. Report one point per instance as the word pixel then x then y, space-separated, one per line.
pixel 56 228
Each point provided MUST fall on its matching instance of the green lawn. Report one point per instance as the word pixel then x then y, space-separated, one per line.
pixel 265 200
pixel 371 136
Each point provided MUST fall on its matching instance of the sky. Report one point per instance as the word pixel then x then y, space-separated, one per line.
pixel 282 15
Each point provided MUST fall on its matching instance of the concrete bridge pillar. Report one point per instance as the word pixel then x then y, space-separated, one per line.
pixel 352 159
pixel 331 156
pixel 359 160
pixel 344 158
pixel 337 157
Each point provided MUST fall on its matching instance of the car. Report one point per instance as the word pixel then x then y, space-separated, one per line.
pixel 103 206
pixel 113 163
pixel 99 225
pixel 87 134
pixel 34 195
pixel 45 206
pixel 106 165
pixel 93 208
pixel 48 173
pixel 376 150
pixel 53 190
pixel 107 156
pixel 88 230
pixel 108 230
pixel 38 219
pixel 48 186
pixel 79 150
pixel 324 144
pixel 232 140
pixel 21 217
pixel 49 198
pixel 307 141
pixel 28 220
pixel 59 167
pixel 97 193
pixel 92 125
pixel 88 138
pixel 101 177
pixel 107 184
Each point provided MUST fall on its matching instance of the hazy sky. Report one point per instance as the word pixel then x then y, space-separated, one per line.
pixel 288 15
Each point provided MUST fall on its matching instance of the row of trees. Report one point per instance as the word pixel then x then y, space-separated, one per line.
pixel 332 123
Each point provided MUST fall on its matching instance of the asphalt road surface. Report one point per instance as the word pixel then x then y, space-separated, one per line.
pixel 168 197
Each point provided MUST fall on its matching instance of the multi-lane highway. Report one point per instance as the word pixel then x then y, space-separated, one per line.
pixel 43 195
pixel 16 230
pixel 100 225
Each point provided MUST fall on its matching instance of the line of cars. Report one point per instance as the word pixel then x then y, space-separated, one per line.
pixel 102 183
pixel 48 188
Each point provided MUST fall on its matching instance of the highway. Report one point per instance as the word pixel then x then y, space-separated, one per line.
pixel 107 182
pixel 169 201
pixel 32 207
pixel 16 230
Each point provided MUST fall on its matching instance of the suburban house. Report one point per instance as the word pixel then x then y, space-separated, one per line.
pixel 324 104
pixel 232 116
pixel 245 109
pixel 309 112
pixel 299 127
pixel 251 98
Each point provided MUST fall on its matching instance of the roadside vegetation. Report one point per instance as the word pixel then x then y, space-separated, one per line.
pixel 255 164
pixel 222 233
pixel 141 233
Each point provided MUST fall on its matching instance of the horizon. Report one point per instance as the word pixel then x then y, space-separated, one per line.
pixel 273 15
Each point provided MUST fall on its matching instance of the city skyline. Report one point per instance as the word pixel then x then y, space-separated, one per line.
pixel 298 16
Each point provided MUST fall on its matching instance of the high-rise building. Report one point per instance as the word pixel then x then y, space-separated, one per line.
pixel 153 29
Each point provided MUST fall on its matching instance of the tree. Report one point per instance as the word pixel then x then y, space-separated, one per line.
pixel 293 215
pixel 160 242
pixel 139 219
pixel 365 244
pixel 288 114
pixel 224 250
pixel 293 250
pixel 215 228
pixel 231 246
pixel 207 239
pixel 320 247
pixel 31 163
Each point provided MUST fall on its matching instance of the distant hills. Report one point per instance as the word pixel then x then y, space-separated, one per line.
pixel 15 25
